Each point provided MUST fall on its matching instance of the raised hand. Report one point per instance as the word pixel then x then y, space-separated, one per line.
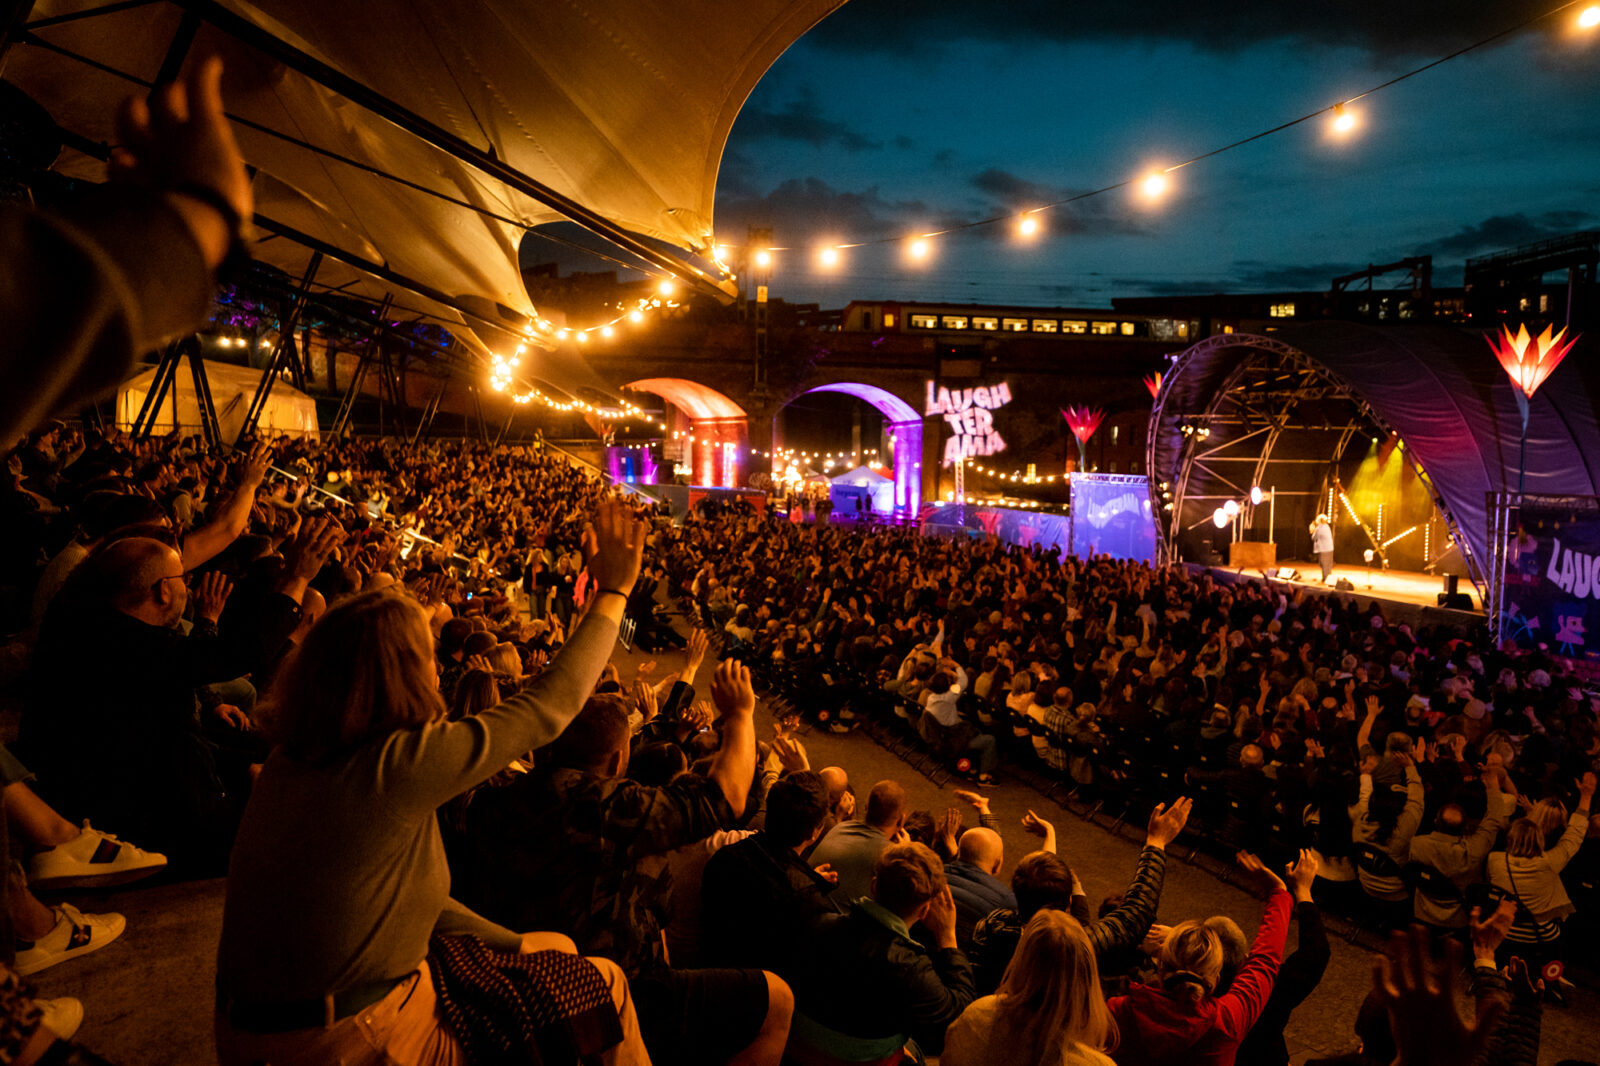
pixel 699 642
pixel 791 754
pixel 948 829
pixel 978 800
pixel 731 689
pixel 1167 822
pixel 479 662
pixel 1302 873
pixel 1489 933
pixel 211 594
pixel 1420 993
pixel 941 918
pixel 1269 881
pixel 616 547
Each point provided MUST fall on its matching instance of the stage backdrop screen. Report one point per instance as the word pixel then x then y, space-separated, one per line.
pixel 1552 580
pixel 1013 526
pixel 1111 516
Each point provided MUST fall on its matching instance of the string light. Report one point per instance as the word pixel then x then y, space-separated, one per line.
pixel 1589 17
pixel 1028 225
pixel 1154 185
pixel 828 257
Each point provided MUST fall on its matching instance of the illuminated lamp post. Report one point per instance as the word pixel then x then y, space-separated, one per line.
pixel 1083 421
pixel 1527 363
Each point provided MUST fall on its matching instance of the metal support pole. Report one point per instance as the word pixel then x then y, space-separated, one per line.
pixel 149 411
pixel 258 402
pixel 209 427
pixel 341 421
pixel 177 50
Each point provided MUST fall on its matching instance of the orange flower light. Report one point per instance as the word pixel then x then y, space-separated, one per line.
pixel 1527 361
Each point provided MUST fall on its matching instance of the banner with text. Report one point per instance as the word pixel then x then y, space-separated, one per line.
pixel 1552 580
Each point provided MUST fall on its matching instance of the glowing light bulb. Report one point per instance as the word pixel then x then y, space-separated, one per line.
pixel 1027 225
pixel 763 258
pixel 1589 17
pixel 918 249
pixel 667 288
pixel 1344 121
pixel 1219 518
pixel 563 333
pixel 583 336
pixel 720 253
pixel 1256 495
pixel 828 257
pixel 636 316
pixel 1154 185
pixel 1231 508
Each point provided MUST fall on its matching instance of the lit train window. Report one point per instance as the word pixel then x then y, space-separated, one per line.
pixel 955 321
pixel 985 323
pixel 1074 325
pixel 924 321
pixel 1127 329
pixel 1102 328
pixel 1014 325
pixel 1044 325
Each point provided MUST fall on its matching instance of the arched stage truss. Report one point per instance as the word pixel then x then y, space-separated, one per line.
pixel 1294 411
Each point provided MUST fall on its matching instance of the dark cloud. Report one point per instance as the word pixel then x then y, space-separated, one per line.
pixel 800 121
pixel 805 208
pixel 1413 27
pixel 1507 231
pixel 1254 275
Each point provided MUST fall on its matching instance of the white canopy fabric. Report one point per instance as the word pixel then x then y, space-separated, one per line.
pixel 287 411
pixel 623 106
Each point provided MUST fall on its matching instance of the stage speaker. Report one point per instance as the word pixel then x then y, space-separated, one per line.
pixel 1344 585
pixel 1456 601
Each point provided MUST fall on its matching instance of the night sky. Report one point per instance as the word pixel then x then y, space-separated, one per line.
pixel 891 118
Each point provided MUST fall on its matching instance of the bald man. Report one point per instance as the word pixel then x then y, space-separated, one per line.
pixel 111 720
pixel 852 848
pixel 974 873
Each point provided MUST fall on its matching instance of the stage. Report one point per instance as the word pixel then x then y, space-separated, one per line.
pixel 1389 587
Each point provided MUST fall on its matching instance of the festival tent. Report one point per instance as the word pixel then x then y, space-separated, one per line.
pixel 1291 398
pixel 287 411
pixel 415 145
pixel 863 480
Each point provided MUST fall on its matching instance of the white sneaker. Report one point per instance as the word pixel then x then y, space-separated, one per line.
pixel 61 1016
pixel 92 860
pixel 75 934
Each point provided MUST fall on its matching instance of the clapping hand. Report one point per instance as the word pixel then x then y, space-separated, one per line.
pixel 791 754
pixel 978 800
pixel 731 689
pixel 1302 873
pixel 1489 933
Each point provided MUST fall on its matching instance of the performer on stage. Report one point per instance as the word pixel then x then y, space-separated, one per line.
pixel 1322 544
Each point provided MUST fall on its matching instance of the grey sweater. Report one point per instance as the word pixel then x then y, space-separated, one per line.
pixel 338 875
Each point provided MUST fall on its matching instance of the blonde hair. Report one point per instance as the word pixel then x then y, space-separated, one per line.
pixel 1050 1000
pixel 1525 840
pixel 1191 960
pixel 363 671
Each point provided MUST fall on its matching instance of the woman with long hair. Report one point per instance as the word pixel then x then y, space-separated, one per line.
pixel 1048 1011
pixel 338 878
pixel 1530 873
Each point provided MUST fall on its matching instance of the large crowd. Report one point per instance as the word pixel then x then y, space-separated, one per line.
pixel 371 684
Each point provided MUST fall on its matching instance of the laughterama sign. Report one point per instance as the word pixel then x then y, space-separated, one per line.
pixel 968 412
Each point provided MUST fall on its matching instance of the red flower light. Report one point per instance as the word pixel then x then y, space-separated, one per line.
pixel 1153 383
pixel 1083 421
pixel 1528 362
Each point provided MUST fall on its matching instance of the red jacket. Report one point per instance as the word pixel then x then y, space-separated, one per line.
pixel 1156 1029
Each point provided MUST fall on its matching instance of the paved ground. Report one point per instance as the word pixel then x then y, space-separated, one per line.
pixel 149 997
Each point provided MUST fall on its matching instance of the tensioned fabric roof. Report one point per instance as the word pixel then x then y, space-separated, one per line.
pixel 621 106
pixel 1440 390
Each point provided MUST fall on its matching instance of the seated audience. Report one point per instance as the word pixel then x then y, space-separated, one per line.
pixel 851 849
